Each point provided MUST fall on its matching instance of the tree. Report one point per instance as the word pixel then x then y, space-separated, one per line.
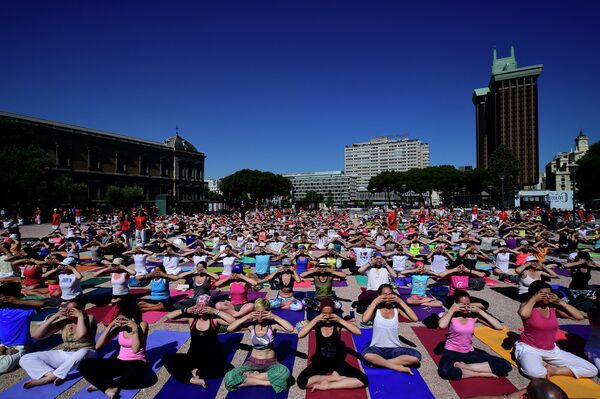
pixel 24 165
pixel 503 170
pixel 384 182
pixel 124 198
pixel 329 200
pixel 313 198
pixel 65 190
pixel 586 178
pixel 253 187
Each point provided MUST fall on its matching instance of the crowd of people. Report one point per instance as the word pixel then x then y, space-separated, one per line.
pixel 437 253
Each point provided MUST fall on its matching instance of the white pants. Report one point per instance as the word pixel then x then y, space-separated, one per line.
pixel 77 220
pixel 140 236
pixel 473 217
pixel 10 362
pixel 57 362
pixel 531 361
pixel 593 353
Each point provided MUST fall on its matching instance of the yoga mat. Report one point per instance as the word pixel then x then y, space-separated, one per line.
pixel 160 342
pixel 350 359
pixel 490 282
pixel 570 343
pixel 102 291
pixel 582 330
pixel 91 282
pixel 421 311
pixel 339 283
pixel 509 292
pixel 573 387
pixel 468 387
pixel 285 348
pixel 174 389
pixel 51 391
pixel 99 312
pixel 41 314
pixel 361 280
pixel 152 316
pixel 290 315
pixel 386 383
pixel 562 272
pixel 305 283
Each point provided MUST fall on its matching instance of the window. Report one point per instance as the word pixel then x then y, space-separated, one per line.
pixel 63 156
pixel 164 167
pixel 121 162
pixel 94 162
pixel 144 165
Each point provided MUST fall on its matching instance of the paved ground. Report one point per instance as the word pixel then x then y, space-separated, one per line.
pixel 501 307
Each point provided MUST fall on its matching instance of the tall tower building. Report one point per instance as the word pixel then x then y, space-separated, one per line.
pixel 506 112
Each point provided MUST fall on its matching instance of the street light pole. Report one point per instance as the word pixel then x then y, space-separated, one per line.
pixel 501 176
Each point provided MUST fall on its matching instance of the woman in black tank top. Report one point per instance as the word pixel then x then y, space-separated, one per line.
pixel 204 359
pixel 328 369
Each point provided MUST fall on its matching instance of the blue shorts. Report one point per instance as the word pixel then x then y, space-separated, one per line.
pixel 390 353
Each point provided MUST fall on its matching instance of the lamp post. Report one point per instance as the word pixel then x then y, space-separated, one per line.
pixel 501 176
pixel 490 195
pixel 404 194
pixel 574 170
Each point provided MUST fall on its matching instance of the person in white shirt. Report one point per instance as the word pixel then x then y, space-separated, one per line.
pixel 378 272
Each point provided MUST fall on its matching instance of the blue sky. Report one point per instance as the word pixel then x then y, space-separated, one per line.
pixel 283 85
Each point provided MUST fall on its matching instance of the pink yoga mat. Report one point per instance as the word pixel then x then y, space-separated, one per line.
pixel 152 316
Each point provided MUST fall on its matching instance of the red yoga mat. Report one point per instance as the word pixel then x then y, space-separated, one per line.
pixel 351 360
pixel 469 387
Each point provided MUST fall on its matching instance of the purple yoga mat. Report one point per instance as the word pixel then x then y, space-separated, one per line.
pixel 290 315
pixel 339 283
pixel 562 272
pixel 582 330
pixel 422 312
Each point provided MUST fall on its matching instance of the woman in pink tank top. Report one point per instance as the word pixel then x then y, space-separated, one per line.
pixel 128 369
pixel 238 305
pixel 536 350
pixel 459 359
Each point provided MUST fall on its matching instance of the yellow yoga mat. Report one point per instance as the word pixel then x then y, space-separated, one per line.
pixel 574 388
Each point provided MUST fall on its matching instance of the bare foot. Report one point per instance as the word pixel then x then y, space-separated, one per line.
pixel 91 388
pixel 459 365
pixel 320 386
pixel 552 370
pixel 403 369
pixel 47 379
pixel 198 381
pixel 112 393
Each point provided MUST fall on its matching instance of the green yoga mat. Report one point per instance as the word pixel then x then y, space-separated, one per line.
pixel 361 280
pixel 92 282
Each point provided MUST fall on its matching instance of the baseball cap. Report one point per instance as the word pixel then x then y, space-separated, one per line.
pixel 69 261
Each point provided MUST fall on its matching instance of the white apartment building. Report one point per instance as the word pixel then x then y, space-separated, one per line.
pixel 213 185
pixel 341 187
pixel 381 154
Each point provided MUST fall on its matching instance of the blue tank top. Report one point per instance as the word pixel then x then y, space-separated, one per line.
pixel 419 284
pixel 159 290
pixel 301 264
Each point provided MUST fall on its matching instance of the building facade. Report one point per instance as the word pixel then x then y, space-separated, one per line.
pixel 101 159
pixel 381 154
pixel 506 112
pixel 214 185
pixel 337 185
pixel 560 171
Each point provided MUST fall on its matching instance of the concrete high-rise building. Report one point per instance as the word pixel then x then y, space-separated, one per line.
pixel 559 171
pixel 506 112
pixel 337 186
pixel 381 154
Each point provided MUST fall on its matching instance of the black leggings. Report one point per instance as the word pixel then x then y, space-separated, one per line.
pixel 180 366
pixel 323 367
pixel 447 371
pixel 115 373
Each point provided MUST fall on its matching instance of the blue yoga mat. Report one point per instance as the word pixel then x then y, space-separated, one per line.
pixel 285 347
pixel 175 389
pixel 160 342
pixel 41 314
pixel 102 291
pixel 290 315
pixel 50 391
pixel 384 382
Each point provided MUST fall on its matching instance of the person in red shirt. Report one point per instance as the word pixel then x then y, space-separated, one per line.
pixel 474 212
pixel 77 216
pixel 503 216
pixel 56 220
pixel 140 227
pixel 126 228
pixel 38 216
pixel 392 221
